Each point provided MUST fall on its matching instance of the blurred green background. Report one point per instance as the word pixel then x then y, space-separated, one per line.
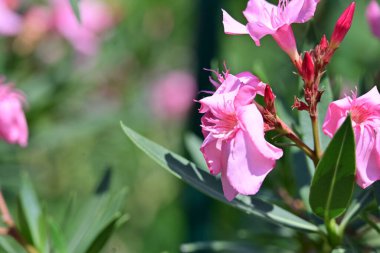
pixel 75 105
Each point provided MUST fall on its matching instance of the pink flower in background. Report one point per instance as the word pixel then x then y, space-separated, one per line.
pixel 10 21
pixel 173 94
pixel 13 125
pixel 267 19
pixel 234 142
pixel 365 114
pixel 85 37
pixel 373 17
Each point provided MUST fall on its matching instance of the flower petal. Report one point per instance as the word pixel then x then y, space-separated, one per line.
pixel 335 116
pixel 300 11
pixel 246 167
pixel 212 154
pixel 367 156
pixel 231 26
pixel 252 123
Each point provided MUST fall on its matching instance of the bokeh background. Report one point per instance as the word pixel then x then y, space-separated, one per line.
pixel 146 72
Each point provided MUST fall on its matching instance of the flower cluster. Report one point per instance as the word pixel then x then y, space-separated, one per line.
pixel 234 123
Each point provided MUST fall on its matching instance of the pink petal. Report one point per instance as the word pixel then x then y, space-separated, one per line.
pixel 229 191
pixel 300 11
pixel 212 154
pixel 335 116
pixel 246 166
pixel 249 79
pixel 373 17
pixel 258 30
pixel 371 97
pixel 231 26
pixel 252 123
pixel 367 156
pixel 259 10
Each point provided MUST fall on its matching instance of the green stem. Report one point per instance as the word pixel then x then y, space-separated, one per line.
pixel 293 137
pixel 317 142
pixel 334 234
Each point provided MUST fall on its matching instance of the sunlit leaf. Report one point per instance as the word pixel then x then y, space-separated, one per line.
pixel 333 182
pixel 211 186
pixel 193 144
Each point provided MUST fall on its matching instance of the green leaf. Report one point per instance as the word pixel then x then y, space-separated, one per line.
pixel 356 206
pixel 90 220
pixel 75 7
pixel 100 241
pixel 57 240
pixel 211 186
pixel 333 182
pixel 32 220
pixel 376 192
pixel 9 245
pixel 193 144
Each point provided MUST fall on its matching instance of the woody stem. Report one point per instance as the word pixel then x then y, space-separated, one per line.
pixel 293 137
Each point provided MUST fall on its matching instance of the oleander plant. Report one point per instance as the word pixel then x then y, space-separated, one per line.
pixel 336 143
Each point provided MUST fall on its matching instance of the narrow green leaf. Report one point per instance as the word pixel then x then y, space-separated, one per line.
pixel 9 245
pixel 75 7
pixel 211 186
pixel 32 215
pixel 100 241
pixel 91 218
pixel 333 182
pixel 57 240
pixel 193 144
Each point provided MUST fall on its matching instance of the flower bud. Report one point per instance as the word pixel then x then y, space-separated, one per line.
pixel 323 44
pixel 308 68
pixel 269 98
pixel 342 26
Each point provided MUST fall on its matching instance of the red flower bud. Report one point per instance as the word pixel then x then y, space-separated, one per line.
pixel 269 97
pixel 342 26
pixel 323 44
pixel 308 68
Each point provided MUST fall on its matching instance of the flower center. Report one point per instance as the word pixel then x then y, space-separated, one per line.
pixel 360 113
pixel 223 127
pixel 282 4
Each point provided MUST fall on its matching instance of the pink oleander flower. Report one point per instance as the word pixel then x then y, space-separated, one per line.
pixel 267 19
pixel 13 125
pixel 10 21
pixel 373 17
pixel 85 37
pixel 234 142
pixel 173 94
pixel 365 115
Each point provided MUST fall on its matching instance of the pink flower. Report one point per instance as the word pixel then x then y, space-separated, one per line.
pixel 10 21
pixel 173 94
pixel 234 142
pixel 373 17
pixel 365 114
pixel 267 19
pixel 13 125
pixel 96 18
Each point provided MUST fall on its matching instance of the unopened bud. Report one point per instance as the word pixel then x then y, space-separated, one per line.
pixel 308 68
pixel 323 44
pixel 269 99
pixel 342 26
